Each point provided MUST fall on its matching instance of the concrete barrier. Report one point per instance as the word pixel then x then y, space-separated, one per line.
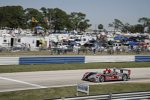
pixel 9 60
pixel 89 59
pixel 142 58
pixel 51 60
pixel 70 59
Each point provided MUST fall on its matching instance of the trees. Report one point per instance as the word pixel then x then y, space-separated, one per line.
pixel 144 20
pixel 126 27
pixel 78 21
pixel 57 20
pixel 75 19
pixel 145 23
pixel 12 17
pixel 117 25
pixel 100 26
pixel 31 13
pixel 44 11
pixel 137 28
pixel 84 25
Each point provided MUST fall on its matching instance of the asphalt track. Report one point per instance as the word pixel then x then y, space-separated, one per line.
pixel 47 79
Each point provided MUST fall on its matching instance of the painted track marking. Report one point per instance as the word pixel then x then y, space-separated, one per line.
pixel 9 79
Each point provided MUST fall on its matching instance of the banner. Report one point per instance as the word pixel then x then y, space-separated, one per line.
pixel 34 20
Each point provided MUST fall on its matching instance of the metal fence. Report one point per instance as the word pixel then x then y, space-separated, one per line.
pixel 122 96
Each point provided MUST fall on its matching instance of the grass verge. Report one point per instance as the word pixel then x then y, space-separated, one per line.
pixel 51 93
pixel 50 67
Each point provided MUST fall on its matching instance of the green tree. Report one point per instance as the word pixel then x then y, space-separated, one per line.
pixel 33 13
pixel 77 20
pixel 137 28
pixel 44 11
pixel 144 20
pixel 100 27
pixel 45 23
pixel 126 27
pixel 12 16
pixel 58 19
pixel 117 25
pixel 83 25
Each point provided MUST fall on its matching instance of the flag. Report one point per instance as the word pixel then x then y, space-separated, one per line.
pixel 34 20
pixel 46 20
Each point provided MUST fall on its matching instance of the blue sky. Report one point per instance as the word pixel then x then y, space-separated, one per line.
pixel 97 11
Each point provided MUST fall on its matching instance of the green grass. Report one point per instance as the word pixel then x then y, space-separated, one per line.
pixel 51 93
pixel 50 67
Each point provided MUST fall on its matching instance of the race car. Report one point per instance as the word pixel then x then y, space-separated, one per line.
pixel 108 75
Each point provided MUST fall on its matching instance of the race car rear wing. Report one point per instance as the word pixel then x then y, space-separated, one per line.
pixel 122 70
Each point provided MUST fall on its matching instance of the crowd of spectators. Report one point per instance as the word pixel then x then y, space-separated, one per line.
pixel 134 45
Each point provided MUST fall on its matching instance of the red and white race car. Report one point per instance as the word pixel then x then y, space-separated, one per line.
pixel 108 75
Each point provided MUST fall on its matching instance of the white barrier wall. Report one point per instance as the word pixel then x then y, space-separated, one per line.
pixel 110 58
pixel 9 60
pixel 84 59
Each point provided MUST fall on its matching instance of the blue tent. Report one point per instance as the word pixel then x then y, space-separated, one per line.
pixel 38 27
pixel 120 37
pixel 132 43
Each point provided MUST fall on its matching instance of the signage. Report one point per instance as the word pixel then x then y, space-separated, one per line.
pixel 84 88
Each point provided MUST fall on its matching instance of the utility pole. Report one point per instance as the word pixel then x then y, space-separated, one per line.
pixel 50 24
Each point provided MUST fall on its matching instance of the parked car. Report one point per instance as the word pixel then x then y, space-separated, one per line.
pixel 108 75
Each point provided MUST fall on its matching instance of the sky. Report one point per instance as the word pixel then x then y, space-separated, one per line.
pixel 97 11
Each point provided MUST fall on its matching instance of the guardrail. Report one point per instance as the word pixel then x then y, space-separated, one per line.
pixel 122 96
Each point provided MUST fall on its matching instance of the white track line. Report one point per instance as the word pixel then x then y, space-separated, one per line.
pixel 9 79
pixel 10 90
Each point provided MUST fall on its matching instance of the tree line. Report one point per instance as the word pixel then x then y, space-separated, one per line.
pixel 56 19
pixel 48 18
pixel 143 26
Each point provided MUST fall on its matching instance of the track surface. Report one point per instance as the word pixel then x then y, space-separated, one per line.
pixel 47 79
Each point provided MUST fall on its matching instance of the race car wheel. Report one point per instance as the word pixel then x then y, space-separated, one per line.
pixel 124 78
pixel 101 79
